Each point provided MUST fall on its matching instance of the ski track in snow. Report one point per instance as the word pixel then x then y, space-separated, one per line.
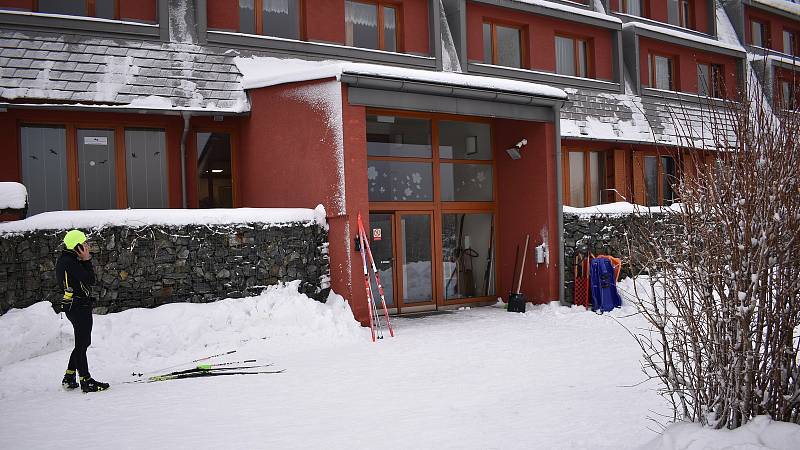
pixel 477 378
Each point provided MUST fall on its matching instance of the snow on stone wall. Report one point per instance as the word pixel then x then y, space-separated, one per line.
pixel 12 195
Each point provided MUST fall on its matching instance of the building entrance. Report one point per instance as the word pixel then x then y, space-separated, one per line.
pixel 403 250
pixel 431 222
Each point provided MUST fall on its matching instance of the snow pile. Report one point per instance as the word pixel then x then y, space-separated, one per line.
pixel 759 433
pixel 12 195
pixel 152 338
pixel 261 72
pixel 61 220
pixel 619 209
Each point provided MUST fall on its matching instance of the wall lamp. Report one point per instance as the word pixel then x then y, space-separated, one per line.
pixel 513 152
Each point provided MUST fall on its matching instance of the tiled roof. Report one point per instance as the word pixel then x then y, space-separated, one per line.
pixel 653 119
pixel 67 68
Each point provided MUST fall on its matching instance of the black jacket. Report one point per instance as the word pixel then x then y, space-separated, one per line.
pixel 76 275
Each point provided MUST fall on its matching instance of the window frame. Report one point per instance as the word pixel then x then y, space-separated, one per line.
pixel 793 40
pixel 652 76
pixel 589 53
pixel 644 6
pixel 258 25
pixel 765 33
pixel 640 177
pixel 120 169
pixel 716 83
pixel 436 207
pixel 686 17
pixel 192 165
pixel 523 53
pixel 91 9
pixel 399 25
pixel 587 172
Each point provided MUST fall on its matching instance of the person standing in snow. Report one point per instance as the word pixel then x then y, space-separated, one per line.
pixel 75 274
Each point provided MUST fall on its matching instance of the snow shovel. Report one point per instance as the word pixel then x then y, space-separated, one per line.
pixel 517 300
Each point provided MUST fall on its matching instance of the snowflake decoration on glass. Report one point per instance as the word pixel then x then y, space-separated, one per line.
pixel 372 173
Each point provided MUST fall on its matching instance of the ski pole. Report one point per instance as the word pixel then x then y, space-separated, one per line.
pixel 183 364
pixel 366 284
pixel 377 275
pixel 374 308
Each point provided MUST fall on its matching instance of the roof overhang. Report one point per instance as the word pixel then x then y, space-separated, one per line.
pixel 377 92
pixel 685 39
pixel 120 109
pixel 559 11
pixel 785 9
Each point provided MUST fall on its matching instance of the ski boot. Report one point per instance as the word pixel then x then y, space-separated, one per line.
pixel 89 384
pixel 69 383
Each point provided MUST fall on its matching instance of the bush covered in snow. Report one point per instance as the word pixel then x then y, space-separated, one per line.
pixel 724 299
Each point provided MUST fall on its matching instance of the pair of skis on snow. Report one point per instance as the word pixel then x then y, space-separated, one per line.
pixel 375 326
pixel 244 367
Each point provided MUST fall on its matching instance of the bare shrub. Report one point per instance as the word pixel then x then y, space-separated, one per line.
pixel 724 296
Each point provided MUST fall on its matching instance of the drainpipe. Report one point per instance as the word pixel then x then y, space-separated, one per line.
pixel 186 118
pixel 559 202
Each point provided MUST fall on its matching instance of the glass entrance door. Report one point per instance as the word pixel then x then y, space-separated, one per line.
pixel 403 251
pixel 380 240
pixel 416 258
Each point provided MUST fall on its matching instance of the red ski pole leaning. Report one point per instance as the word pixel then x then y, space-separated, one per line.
pixel 374 311
pixel 377 275
pixel 366 283
pixel 363 237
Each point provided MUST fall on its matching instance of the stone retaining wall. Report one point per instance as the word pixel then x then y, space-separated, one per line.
pixel 154 265
pixel 603 235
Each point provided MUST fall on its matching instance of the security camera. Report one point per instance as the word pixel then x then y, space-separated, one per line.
pixel 521 143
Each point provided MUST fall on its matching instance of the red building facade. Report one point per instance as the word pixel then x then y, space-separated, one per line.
pixel 401 111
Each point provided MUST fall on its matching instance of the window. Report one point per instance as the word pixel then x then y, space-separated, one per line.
pixel 585 176
pixel 659 179
pixel 759 34
pixel 572 56
pixel 680 13
pixel 502 45
pixel 789 42
pixel 661 72
pixel 465 149
pixel 632 7
pixel 372 25
pixel 399 166
pixel 710 80
pixel 467 255
pixel 214 177
pixel 788 95
pixel 279 18
pixel 144 10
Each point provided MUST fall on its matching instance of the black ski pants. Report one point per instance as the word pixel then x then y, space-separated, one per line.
pixel 81 318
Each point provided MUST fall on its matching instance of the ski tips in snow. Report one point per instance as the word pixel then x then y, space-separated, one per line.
pixel 375 326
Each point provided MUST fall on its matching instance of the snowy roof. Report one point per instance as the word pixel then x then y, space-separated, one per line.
pixel 657 120
pixel 685 36
pixel 12 195
pixel 63 220
pixel 782 5
pixel 266 71
pixel 71 69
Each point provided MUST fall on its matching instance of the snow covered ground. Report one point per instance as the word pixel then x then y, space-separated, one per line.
pixel 552 378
